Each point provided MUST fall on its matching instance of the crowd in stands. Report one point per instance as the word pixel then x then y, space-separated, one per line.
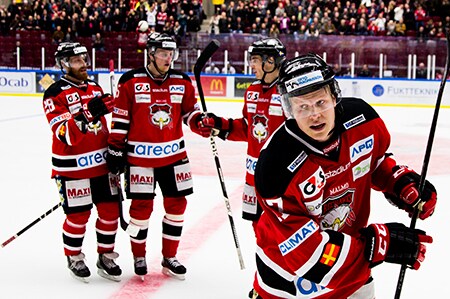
pixel 67 19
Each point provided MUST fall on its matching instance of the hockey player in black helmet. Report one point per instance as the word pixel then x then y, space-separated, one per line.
pixel 152 103
pixel 73 59
pixel 262 114
pixel 314 179
pixel 75 107
pixel 265 57
pixel 162 51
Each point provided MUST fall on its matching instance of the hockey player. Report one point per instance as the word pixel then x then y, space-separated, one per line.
pixel 262 114
pixel 147 143
pixel 314 179
pixel 75 107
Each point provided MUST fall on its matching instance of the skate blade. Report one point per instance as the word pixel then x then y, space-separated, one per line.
pixel 169 273
pixel 103 274
pixel 82 279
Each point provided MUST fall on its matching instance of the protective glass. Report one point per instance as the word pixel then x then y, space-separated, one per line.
pixel 304 109
pixel 167 54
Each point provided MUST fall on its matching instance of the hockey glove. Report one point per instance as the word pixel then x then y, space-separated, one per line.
pixel 209 123
pixel 95 108
pixel 404 193
pixel 116 160
pixel 395 243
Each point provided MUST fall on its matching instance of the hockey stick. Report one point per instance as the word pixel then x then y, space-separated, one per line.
pixel 199 65
pixel 132 230
pixel 426 160
pixel 31 224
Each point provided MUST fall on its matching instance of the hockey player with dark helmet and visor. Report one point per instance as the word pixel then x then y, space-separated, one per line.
pixel 163 49
pixel 270 52
pixel 73 59
pixel 303 75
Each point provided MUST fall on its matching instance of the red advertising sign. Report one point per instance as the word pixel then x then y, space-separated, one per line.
pixel 213 86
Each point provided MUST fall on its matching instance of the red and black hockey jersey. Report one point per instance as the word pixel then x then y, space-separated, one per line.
pixel 314 204
pixel 75 154
pixel 148 117
pixel 262 115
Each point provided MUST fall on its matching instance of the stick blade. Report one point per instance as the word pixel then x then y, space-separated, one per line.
pixel 206 55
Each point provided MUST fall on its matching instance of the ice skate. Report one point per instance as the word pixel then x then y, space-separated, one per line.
pixel 107 268
pixel 172 267
pixel 78 268
pixel 140 267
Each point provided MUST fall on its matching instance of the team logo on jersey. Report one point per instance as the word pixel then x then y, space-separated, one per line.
pixel 361 148
pixel 314 184
pixel 252 96
pixel 176 88
pixel 160 115
pixel 73 98
pixel 260 127
pixel 141 87
pixel 361 169
pixel 337 210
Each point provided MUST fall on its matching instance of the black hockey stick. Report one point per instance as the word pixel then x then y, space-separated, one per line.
pixel 31 224
pixel 426 160
pixel 131 230
pixel 199 65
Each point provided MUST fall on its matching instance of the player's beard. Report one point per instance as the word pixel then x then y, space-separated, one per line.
pixel 79 74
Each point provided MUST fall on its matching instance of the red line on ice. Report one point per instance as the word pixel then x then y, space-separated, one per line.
pixel 192 240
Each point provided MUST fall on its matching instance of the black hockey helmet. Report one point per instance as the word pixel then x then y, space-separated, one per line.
pixel 268 47
pixel 158 40
pixel 305 74
pixel 70 49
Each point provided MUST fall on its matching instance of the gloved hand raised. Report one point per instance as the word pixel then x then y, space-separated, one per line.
pixel 96 108
pixel 116 160
pixel 209 123
pixel 405 184
pixel 394 243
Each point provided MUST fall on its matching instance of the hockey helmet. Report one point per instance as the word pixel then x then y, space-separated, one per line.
pixel 268 47
pixel 162 41
pixel 70 49
pixel 305 74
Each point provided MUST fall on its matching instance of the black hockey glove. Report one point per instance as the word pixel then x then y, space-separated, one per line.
pixel 404 185
pixel 209 123
pixel 395 243
pixel 95 108
pixel 116 160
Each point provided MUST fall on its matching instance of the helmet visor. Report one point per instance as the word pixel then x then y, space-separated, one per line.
pixel 77 61
pixel 302 108
pixel 166 54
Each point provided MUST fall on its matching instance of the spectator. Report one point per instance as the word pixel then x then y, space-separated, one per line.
pixel 99 44
pixel 212 69
pixel 229 69
pixel 400 28
pixel 58 35
pixel 365 71
pixel 421 72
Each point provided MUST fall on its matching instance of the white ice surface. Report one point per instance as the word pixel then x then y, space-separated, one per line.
pixel 34 266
